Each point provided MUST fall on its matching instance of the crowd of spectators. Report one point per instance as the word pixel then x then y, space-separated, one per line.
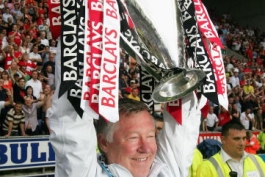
pixel 27 67
pixel 245 77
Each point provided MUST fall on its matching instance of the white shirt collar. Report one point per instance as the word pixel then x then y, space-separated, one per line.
pixel 227 157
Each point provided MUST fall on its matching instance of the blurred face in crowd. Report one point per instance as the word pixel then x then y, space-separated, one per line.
pixel 38 40
pixel 14 28
pixel 18 107
pixel 5 75
pixel 211 110
pixel 47 89
pixel 28 101
pixel 16 48
pixel 25 43
pixel 10 48
pixel 35 49
pixel 135 75
pixel 159 126
pixel 27 38
pixel 21 83
pixel 134 144
pixel 16 6
pixel 16 77
pixel 249 135
pixel 23 69
pixel 234 143
pixel 9 20
pixel 135 92
pixel 35 75
pixel 11 41
pixel 53 43
pixel 7 10
pixel 49 69
pixel 40 5
pixel 42 34
pixel 51 56
pixel 25 57
pixel 29 91
pixel 124 77
pixel 133 85
pixel 235 107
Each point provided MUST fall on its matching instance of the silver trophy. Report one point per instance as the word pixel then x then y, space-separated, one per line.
pixel 155 36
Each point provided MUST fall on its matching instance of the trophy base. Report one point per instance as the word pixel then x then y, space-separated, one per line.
pixel 178 86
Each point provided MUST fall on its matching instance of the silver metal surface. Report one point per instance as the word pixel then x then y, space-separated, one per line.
pixel 161 51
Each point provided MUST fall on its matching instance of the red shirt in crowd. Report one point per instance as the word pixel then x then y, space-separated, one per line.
pixel 18 54
pixel 249 53
pixel 8 61
pixel 26 27
pixel 17 37
pixel 223 117
pixel 252 145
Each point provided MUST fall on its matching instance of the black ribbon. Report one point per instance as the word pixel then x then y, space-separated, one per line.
pixel 197 50
pixel 75 93
pixel 72 50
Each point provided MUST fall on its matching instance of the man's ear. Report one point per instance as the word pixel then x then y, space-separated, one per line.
pixel 223 139
pixel 102 143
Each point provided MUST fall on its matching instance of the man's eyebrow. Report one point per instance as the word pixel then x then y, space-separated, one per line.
pixel 239 137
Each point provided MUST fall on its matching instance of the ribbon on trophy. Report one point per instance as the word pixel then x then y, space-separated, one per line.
pixel 72 60
pixel 213 45
pixel 55 18
pixel 96 27
pixel 110 63
pixel 77 22
pixel 197 32
pixel 69 65
pixel 205 24
pixel 85 101
pixel 81 29
pixel 74 93
pixel 147 85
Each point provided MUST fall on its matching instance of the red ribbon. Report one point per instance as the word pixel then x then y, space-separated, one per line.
pixel 55 18
pixel 96 26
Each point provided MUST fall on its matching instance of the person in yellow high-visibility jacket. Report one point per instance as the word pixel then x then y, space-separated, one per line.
pixel 232 160
pixel 196 161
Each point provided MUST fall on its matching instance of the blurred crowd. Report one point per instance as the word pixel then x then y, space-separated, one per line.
pixel 27 67
pixel 245 77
